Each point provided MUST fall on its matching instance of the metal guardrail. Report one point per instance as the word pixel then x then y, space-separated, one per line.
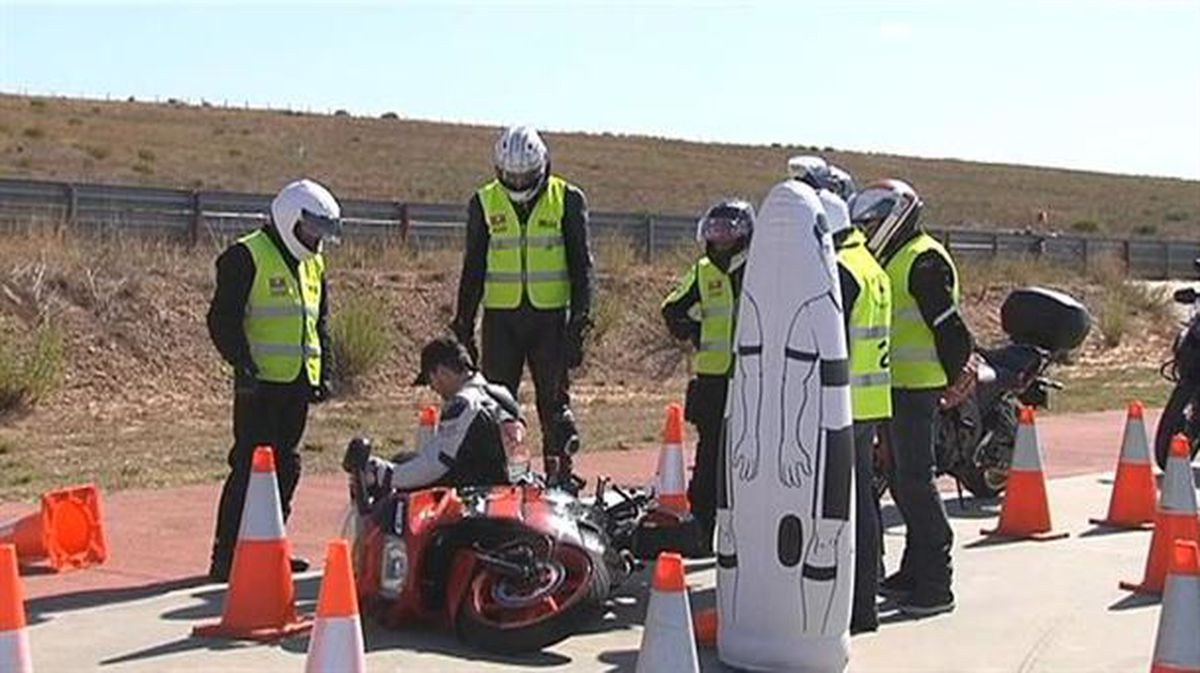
pixel 201 215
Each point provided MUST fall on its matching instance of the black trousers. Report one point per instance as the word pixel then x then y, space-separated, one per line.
pixel 705 409
pixel 867 532
pixel 514 337
pixel 928 537
pixel 274 415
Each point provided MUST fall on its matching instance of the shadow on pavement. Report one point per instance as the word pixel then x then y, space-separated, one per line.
pixel 39 609
pixel 213 599
pixel 969 508
pixel 1136 601
pixel 179 646
pixel 999 540
pixel 424 639
pixel 1100 530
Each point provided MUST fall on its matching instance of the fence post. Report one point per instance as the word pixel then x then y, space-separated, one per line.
pixel 649 238
pixel 995 245
pixel 1166 260
pixel 194 225
pixel 72 204
pixel 1085 255
pixel 402 216
pixel 1127 253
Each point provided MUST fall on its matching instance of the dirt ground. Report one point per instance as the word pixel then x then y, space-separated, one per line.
pixel 144 400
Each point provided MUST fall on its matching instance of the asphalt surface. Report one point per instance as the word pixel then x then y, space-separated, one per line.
pixel 1023 606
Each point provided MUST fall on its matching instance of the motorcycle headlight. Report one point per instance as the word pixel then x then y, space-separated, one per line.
pixel 393 568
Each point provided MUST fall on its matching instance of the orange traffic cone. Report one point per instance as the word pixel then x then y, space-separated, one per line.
pixel 670 489
pixel 1177 646
pixel 705 626
pixel 667 641
pixel 337 639
pixel 1174 520
pixel 1133 494
pixel 426 425
pixel 1025 513
pixel 259 603
pixel 67 531
pixel 14 641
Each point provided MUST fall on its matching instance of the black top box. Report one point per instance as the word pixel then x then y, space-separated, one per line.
pixel 1045 318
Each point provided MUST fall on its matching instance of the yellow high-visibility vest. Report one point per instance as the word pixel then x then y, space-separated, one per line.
pixel 525 259
pixel 281 313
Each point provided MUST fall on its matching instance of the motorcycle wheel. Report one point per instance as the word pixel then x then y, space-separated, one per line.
pixel 507 615
pixel 987 475
pixel 1181 414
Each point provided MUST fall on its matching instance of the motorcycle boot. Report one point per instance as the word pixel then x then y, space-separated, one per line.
pixel 927 600
pixel 898 585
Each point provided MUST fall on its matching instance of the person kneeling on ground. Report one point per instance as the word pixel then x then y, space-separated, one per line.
pixel 479 428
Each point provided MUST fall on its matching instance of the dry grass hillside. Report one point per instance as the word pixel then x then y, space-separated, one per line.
pixel 256 150
pixel 143 399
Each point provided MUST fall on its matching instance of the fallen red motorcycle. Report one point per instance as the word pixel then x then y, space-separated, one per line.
pixel 509 568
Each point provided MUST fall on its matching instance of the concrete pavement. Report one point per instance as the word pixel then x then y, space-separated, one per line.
pixel 1023 607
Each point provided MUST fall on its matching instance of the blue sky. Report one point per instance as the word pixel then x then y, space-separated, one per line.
pixel 1101 85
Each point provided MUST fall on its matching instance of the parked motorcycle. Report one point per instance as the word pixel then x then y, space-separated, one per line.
pixel 1182 413
pixel 975 440
pixel 510 568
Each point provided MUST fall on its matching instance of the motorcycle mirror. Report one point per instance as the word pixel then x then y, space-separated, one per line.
pixel 1185 296
pixel 1196 263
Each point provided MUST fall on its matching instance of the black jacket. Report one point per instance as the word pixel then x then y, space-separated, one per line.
pixel 466 449
pixel 575 240
pixel 235 276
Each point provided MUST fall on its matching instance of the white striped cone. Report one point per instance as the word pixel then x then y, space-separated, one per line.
pixel 670 488
pixel 337 640
pixel 1175 518
pixel 260 602
pixel 15 654
pixel 1177 645
pixel 668 642
pixel 1025 512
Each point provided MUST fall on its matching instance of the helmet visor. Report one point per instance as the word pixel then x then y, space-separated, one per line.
pixel 723 226
pixel 312 229
pixel 519 181
pixel 872 215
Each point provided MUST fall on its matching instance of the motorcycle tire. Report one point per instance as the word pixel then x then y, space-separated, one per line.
pixel 988 480
pixel 517 624
pixel 1182 414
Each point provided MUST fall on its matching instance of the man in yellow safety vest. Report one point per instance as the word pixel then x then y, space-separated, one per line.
pixel 702 309
pixel 527 260
pixel 930 362
pixel 866 305
pixel 268 321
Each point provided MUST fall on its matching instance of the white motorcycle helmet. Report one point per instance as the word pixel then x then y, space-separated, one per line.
pixel 818 174
pixel 843 182
pixel 522 162
pixel 888 212
pixel 305 215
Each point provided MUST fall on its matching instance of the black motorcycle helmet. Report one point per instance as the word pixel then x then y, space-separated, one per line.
pixel 726 228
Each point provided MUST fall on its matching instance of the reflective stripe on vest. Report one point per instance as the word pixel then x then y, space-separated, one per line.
pixel 715 356
pixel 280 318
pixel 870 320
pixel 525 259
pixel 914 357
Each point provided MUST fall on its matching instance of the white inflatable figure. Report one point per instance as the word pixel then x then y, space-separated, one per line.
pixel 784 580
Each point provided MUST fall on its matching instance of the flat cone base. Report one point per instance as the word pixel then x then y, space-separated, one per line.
pixel 1123 525
pixel 268 634
pixel 1040 536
